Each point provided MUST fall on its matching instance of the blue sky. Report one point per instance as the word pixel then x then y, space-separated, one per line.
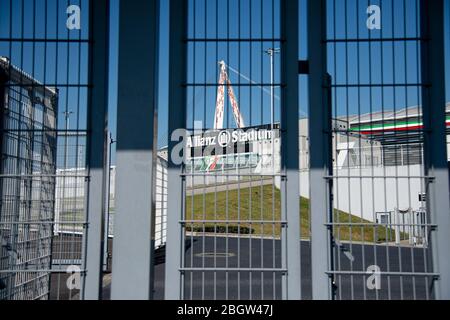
pixel 67 63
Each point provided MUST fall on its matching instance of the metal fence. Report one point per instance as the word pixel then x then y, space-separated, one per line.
pixel 378 86
pixel 348 201
pixel 27 186
pixel 233 226
pixel 45 120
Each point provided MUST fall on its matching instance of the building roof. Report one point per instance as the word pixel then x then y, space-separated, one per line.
pixel 382 116
pixel 19 76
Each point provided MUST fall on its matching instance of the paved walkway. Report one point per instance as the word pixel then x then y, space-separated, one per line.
pixel 244 252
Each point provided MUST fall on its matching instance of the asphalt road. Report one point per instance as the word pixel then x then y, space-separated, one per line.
pixel 257 253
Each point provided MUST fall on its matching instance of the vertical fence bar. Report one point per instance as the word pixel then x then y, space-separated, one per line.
pixel 97 144
pixel 433 60
pixel 133 250
pixel 177 120
pixel 290 132
pixel 319 134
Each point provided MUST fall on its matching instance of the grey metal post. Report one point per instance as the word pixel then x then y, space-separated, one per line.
pixel 290 142
pixel 177 120
pixel 96 155
pixel 133 250
pixel 436 166
pixel 320 151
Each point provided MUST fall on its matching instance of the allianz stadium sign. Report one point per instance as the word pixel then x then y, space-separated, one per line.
pixel 231 138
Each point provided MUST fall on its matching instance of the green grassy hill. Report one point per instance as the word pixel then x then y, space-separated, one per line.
pixel 262 204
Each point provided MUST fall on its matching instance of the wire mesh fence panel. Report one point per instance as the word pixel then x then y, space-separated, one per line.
pixel 44 46
pixel 233 224
pixel 27 183
pixel 380 225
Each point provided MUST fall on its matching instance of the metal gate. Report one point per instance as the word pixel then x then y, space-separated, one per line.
pixel 256 196
pixel 385 150
pixel 233 223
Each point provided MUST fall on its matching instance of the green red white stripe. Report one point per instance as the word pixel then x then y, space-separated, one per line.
pixel 397 126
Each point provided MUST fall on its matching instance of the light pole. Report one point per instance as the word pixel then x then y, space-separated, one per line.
pixel 271 52
pixel 67 115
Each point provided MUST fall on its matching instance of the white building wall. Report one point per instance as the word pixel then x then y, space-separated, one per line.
pixel 364 197
pixel 448 148
pixel 69 205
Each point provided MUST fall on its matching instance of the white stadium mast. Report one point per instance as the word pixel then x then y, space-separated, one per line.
pixel 219 116
pixel 224 80
pixel 220 103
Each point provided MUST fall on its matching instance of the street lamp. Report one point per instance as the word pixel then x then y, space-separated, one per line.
pixel 271 53
pixel 67 115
